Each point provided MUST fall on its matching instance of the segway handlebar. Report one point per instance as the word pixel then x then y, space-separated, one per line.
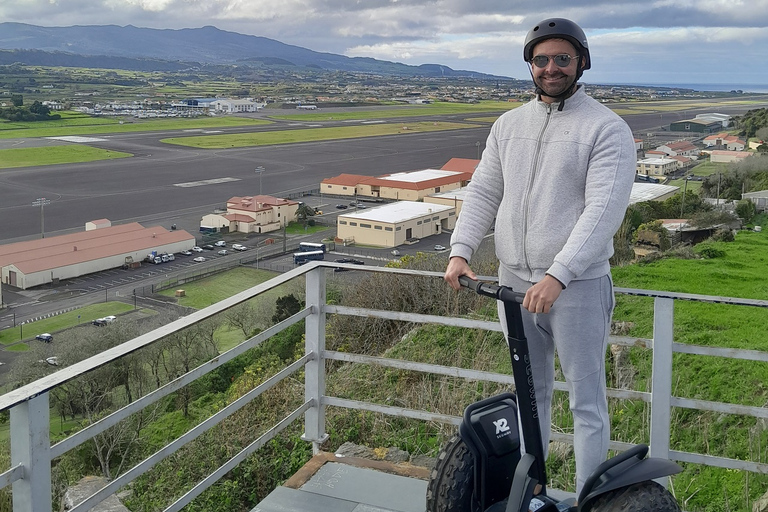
pixel 502 293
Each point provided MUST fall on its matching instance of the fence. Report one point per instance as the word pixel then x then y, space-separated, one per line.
pixel 32 453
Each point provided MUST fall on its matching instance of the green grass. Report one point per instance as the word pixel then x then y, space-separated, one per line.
pixel 51 155
pixel 298 228
pixel 204 292
pixel 63 321
pixel 437 108
pixel 79 125
pixel 311 134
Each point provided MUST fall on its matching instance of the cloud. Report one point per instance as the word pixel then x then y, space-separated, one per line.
pixel 671 39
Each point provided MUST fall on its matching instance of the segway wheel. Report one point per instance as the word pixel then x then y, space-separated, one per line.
pixel 451 482
pixel 645 496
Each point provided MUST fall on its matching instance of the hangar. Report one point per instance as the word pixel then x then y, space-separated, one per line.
pixel 393 224
pixel 48 260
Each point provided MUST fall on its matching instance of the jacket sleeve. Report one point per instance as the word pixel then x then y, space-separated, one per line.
pixel 610 175
pixel 481 203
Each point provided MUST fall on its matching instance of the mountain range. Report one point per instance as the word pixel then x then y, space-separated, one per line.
pixel 132 47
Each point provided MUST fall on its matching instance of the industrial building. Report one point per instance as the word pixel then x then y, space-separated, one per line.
pixel 394 224
pixel 48 260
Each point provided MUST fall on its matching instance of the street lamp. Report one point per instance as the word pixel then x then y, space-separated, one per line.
pixel 41 202
pixel 477 145
pixel 260 171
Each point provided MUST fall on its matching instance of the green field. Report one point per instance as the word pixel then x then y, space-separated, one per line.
pixel 240 140
pixel 80 124
pixel 52 155
pixel 80 316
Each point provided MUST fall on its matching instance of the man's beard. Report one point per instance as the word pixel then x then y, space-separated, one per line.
pixel 555 90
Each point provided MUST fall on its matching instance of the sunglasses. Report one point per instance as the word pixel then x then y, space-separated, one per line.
pixel 561 61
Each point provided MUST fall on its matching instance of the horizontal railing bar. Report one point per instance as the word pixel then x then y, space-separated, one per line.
pixel 693 297
pixel 109 421
pixel 704 405
pixel 9 476
pixel 211 479
pixel 730 353
pixel 720 462
pixel 47 383
pixel 449 371
pixel 391 410
pixel 189 436
pixel 418 318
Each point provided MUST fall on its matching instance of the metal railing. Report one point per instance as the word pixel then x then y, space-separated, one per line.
pixel 30 474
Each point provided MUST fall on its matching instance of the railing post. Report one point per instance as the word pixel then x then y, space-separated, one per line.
pixel 31 448
pixel 314 372
pixel 661 392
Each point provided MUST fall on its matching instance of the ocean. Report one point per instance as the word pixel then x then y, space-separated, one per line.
pixel 759 88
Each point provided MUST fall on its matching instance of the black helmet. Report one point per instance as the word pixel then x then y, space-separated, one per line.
pixel 557 28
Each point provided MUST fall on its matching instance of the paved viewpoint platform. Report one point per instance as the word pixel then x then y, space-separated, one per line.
pixel 328 483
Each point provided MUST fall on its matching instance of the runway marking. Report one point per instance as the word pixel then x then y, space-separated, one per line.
pixel 372 122
pixel 77 138
pixel 205 182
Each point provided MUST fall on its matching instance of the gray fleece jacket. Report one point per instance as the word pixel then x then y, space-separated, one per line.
pixel 557 183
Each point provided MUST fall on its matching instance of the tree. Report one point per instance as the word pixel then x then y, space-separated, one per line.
pixel 17 100
pixel 762 133
pixel 304 211
pixel 39 109
pixel 746 210
pixel 285 307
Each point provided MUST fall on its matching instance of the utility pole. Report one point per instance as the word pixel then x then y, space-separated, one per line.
pixel 41 202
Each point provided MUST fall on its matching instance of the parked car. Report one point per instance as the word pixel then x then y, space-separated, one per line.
pixel 239 247
pixel 357 262
pixel 197 249
pixel 199 259
pixel 187 253
pixel 110 318
pixel 341 207
pixel 99 322
pixel 53 360
pixel 395 252
pixel 46 337
pixel 208 247
pixel 439 247
pixel 220 243
pixel 222 252
pixel 343 260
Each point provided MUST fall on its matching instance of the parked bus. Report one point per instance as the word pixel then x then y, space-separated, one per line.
pixel 300 258
pixel 312 246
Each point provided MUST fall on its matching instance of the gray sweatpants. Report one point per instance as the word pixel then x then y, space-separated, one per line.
pixel 577 326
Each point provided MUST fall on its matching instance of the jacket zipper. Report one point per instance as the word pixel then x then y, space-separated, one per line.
pixel 526 202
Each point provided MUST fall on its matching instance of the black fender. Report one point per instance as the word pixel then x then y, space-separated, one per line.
pixel 623 470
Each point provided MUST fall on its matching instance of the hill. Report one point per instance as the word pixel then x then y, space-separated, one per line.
pixel 130 47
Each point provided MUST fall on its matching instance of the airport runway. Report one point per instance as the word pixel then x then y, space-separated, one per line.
pixel 166 184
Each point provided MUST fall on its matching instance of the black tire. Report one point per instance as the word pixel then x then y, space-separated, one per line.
pixel 451 482
pixel 645 496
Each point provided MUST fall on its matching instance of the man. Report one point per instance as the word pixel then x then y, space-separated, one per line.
pixel 556 176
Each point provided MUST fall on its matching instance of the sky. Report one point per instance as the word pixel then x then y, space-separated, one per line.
pixel 631 41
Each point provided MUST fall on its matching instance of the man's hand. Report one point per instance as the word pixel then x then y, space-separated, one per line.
pixel 457 267
pixel 540 297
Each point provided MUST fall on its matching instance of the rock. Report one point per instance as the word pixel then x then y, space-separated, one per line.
pixel 85 488
pixel 353 450
pixel 761 505
pixel 424 461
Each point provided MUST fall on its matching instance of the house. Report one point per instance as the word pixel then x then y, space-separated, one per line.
pixel 679 148
pixel 252 214
pixel 725 156
pixel 760 198
pixel 726 141
pixel 656 166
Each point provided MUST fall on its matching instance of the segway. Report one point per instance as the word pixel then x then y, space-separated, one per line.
pixel 483 469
